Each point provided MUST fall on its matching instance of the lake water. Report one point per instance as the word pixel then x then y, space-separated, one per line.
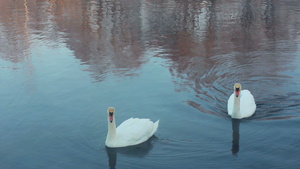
pixel 64 62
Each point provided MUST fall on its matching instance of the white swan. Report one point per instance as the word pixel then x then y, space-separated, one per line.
pixel 241 103
pixel 131 132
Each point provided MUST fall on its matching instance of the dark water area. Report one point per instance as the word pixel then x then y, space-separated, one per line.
pixel 64 62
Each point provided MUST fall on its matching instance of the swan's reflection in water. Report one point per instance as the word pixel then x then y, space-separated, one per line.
pixel 139 151
pixel 235 136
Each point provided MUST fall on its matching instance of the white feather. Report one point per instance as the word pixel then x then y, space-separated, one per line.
pixel 131 132
pixel 247 105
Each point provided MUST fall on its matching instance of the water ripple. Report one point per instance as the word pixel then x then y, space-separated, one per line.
pixel 273 85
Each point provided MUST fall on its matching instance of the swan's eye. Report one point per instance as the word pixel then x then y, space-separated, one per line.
pixel 237 89
pixel 111 113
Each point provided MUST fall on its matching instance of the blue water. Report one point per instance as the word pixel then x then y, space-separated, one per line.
pixel 63 63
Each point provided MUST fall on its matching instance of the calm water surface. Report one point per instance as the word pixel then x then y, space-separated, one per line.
pixel 64 62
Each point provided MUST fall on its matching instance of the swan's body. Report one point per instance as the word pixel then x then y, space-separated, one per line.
pixel 241 103
pixel 131 132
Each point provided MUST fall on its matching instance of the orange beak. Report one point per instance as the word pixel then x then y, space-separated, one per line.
pixel 111 116
pixel 237 92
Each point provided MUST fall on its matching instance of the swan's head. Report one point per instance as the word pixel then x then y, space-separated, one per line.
pixel 111 113
pixel 237 89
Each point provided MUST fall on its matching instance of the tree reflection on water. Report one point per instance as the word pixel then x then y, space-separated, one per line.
pixel 210 44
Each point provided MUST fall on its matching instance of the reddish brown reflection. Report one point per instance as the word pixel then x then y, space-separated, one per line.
pixel 102 33
pixel 210 44
pixel 14 36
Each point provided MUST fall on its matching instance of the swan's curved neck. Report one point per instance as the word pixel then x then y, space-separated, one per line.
pixel 236 108
pixel 111 133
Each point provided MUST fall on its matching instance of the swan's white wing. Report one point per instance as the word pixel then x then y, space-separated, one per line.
pixel 230 104
pixel 135 131
pixel 247 104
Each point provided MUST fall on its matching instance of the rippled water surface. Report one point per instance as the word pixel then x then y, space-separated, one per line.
pixel 64 62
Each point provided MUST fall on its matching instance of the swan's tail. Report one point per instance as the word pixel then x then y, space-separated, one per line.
pixel 155 127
